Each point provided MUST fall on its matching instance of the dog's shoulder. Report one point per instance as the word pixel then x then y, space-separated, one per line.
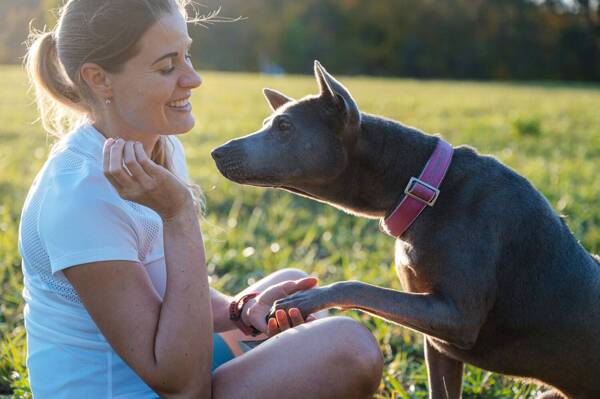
pixel 491 190
pixel 485 175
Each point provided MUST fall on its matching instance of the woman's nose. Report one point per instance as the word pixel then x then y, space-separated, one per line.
pixel 190 80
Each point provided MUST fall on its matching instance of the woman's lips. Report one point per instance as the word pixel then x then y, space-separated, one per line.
pixel 180 105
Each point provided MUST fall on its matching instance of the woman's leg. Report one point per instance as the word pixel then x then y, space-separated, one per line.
pixel 233 337
pixel 333 357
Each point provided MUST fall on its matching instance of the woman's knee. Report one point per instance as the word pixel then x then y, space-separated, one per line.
pixel 357 351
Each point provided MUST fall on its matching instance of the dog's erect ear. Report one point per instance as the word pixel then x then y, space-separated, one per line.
pixel 275 98
pixel 331 88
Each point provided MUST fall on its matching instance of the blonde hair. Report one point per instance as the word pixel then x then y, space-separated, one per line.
pixel 104 32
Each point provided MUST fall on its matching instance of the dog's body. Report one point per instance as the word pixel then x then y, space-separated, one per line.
pixel 494 276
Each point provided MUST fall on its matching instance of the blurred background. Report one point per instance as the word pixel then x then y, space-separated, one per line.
pixel 458 39
pixel 517 79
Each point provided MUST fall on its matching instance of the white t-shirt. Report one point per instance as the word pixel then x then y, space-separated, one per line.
pixel 73 215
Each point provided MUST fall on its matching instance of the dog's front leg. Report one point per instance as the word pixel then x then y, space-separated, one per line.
pixel 456 321
pixel 445 374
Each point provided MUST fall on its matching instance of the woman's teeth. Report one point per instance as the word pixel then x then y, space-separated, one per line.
pixel 178 104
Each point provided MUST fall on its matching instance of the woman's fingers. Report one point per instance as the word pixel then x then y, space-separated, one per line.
pixel 146 163
pixel 282 320
pixel 306 283
pixel 274 292
pixel 106 162
pixel 285 288
pixel 122 165
pixel 131 162
pixel 273 328
pixel 296 317
pixel 115 167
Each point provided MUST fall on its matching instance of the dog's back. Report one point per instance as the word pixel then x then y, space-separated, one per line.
pixel 547 307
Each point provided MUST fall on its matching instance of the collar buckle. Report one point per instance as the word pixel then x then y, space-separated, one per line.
pixel 421 191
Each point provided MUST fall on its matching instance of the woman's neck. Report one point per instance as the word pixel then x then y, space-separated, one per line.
pixel 110 129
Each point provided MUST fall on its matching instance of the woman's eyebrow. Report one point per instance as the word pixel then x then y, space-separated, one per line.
pixel 173 54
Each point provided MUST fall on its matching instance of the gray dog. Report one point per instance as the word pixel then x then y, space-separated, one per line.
pixel 493 275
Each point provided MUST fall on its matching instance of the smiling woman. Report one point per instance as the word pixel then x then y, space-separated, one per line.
pixel 118 303
pixel 73 67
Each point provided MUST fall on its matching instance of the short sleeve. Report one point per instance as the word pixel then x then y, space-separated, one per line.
pixel 83 220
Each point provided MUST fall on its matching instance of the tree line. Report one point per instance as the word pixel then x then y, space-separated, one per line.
pixel 459 39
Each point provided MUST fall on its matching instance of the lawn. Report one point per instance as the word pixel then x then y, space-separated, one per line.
pixel 549 133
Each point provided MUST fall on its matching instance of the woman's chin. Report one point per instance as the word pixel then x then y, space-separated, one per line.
pixel 182 126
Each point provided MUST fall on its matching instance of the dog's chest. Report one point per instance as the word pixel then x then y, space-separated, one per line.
pixel 411 277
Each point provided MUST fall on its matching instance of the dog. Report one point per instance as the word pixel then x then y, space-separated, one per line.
pixel 492 275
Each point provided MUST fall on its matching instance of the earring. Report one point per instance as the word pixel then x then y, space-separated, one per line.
pixel 108 101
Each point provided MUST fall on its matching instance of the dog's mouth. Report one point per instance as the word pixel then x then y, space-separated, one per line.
pixel 234 166
pixel 237 171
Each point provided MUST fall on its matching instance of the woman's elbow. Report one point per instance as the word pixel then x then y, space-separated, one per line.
pixel 190 383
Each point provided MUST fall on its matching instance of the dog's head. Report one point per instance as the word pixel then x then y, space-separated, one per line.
pixel 302 146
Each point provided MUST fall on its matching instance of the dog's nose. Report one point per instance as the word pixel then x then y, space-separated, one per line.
pixel 218 153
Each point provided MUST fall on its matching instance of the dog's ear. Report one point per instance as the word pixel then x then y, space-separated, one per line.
pixel 275 98
pixel 335 91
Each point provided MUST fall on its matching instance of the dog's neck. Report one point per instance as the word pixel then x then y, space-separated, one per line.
pixel 381 162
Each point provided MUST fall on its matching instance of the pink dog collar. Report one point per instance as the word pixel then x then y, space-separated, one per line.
pixel 420 192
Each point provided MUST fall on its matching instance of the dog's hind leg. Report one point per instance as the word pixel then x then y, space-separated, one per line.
pixel 445 374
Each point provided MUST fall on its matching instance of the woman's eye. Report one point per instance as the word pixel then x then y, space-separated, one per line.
pixel 188 58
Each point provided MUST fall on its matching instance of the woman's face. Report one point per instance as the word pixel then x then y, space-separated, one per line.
pixel 151 94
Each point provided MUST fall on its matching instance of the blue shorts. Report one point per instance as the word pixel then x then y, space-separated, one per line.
pixel 222 353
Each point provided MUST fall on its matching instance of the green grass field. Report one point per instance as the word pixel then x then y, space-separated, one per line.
pixel 550 133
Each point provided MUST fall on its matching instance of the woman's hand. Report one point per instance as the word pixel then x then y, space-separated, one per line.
pixel 256 310
pixel 146 182
pixel 307 302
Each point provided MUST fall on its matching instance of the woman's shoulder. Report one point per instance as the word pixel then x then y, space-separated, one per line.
pixel 78 152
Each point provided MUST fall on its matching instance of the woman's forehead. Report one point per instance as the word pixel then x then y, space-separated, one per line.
pixel 168 34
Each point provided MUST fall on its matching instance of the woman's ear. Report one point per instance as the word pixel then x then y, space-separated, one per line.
pixel 97 80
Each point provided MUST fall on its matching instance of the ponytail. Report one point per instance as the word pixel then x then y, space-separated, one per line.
pixel 59 102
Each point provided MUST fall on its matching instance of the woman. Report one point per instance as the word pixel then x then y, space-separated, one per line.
pixel 118 302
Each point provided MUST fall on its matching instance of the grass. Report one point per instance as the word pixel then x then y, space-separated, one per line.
pixel 548 133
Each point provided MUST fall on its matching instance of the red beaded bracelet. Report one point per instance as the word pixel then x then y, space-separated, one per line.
pixel 235 314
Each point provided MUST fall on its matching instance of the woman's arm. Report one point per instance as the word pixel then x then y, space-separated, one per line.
pixel 220 311
pixel 168 343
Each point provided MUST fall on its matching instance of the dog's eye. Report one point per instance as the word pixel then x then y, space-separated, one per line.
pixel 283 124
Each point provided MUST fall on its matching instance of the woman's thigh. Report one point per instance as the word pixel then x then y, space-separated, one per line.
pixel 331 357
